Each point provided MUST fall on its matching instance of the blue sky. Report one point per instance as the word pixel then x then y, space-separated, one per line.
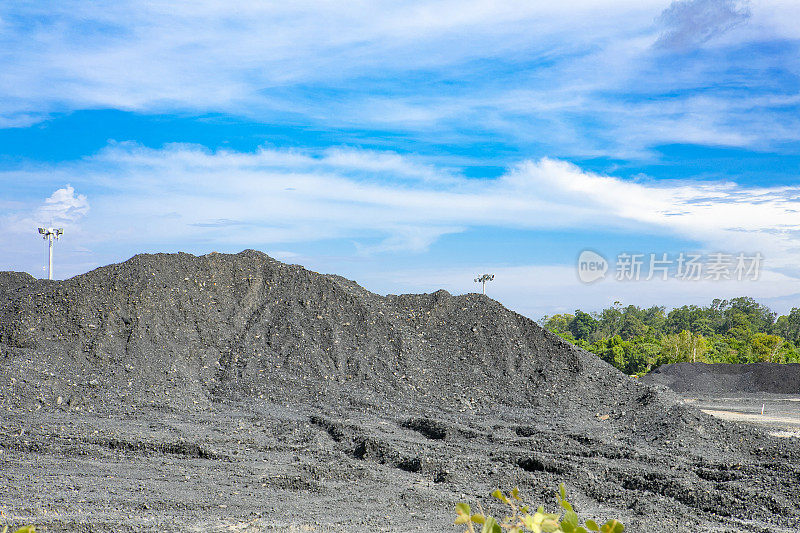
pixel 409 147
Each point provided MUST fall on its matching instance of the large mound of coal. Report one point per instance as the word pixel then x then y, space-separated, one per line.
pixel 235 392
pixel 728 378
pixel 181 330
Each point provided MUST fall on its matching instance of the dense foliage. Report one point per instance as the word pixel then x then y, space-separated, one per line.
pixel 637 340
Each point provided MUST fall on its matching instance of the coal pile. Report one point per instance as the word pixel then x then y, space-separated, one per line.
pixel 728 378
pixel 235 392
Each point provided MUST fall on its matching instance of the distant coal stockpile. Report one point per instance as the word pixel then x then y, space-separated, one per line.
pixel 234 392
pixel 724 378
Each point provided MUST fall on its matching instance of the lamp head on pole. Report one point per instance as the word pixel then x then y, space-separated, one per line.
pixel 51 232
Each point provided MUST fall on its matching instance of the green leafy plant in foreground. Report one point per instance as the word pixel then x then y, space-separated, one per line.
pixel 26 529
pixel 4 529
pixel 520 518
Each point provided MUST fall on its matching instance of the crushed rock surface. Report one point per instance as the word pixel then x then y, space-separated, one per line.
pixel 237 393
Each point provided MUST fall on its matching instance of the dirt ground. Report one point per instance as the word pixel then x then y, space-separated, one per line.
pixel 779 414
pixel 252 466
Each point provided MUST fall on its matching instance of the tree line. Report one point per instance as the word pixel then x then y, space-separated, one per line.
pixel 637 340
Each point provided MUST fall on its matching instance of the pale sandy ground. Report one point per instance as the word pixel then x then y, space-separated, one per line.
pixel 781 413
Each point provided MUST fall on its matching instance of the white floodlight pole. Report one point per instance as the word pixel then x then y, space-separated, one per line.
pixel 483 279
pixel 49 234
pixel 50 255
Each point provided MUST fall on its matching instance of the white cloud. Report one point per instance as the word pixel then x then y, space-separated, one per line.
pixel 63 206
pixel 19 219
pixel 409 238
pixel 689 23
pixel 528 72
pixel 283 255
pixel 388 203
pixel 723 216
pixel 131 55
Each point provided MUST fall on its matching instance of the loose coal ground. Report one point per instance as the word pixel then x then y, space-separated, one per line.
pixel 237 393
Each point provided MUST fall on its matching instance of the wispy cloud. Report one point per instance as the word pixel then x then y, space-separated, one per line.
pixel 572 79
pixel 191 195
pixel 689 23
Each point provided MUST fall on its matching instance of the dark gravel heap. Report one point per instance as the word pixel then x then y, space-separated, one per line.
pixel 720 378
pixel 235 391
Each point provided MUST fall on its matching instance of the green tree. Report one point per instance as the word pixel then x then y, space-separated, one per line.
pixel 723 349
pixel 635 339
pixel 788 326
pixel 611 350
pixel 655 320
pixel 745 312
pixel 681 318
pixel 609 321
pixel 583 325
pixel 558 324
pixel 768 347
pixel 632 323
pixel 703 325
pixel 683 347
